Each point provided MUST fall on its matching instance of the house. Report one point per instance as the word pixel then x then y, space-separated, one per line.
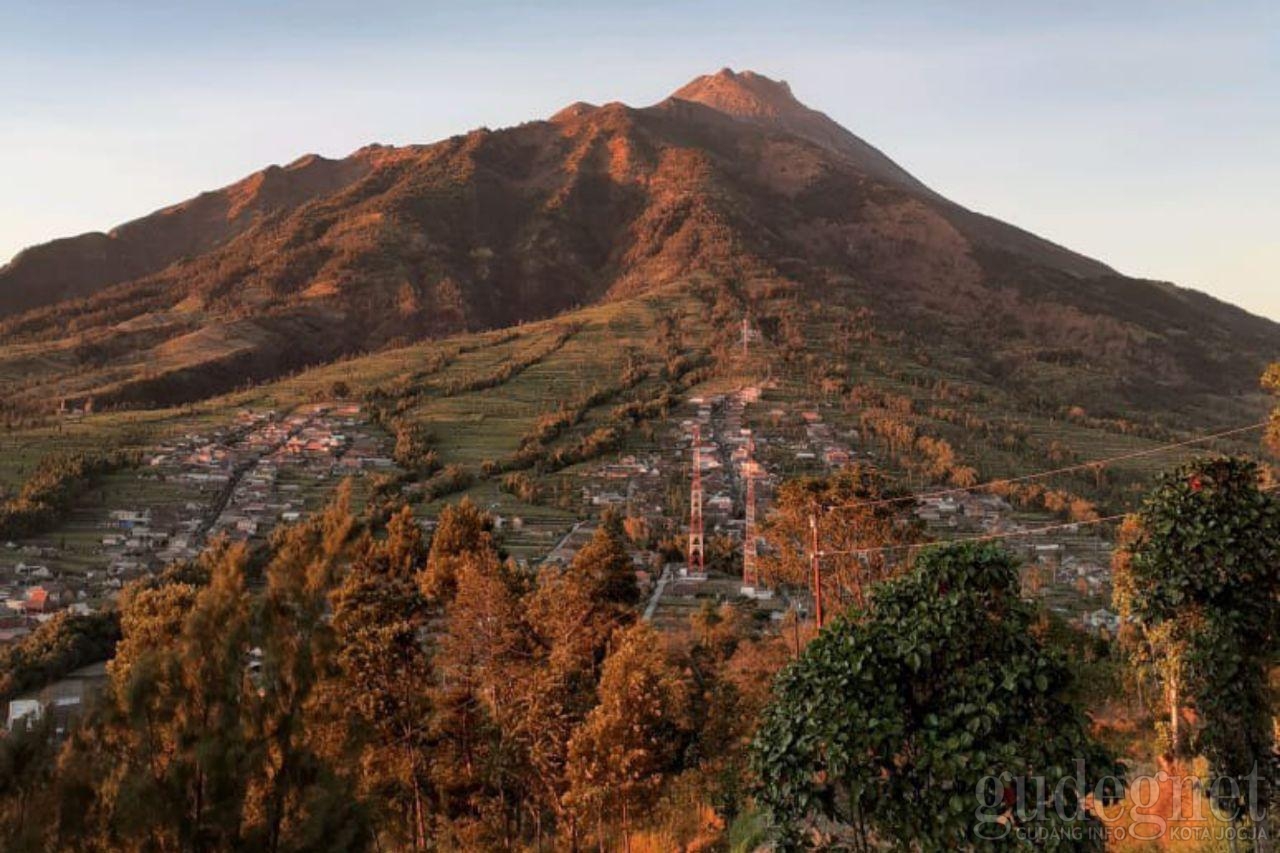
pixel 127 519
pixel 24 709
pixel 37 600
pixel 836 457
pixel 720 503
pixel 1102 619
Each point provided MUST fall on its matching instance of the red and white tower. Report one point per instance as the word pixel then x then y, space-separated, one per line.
pixel 750 572
pixel 697 555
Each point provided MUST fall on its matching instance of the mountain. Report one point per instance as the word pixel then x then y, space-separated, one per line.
pixel 730 179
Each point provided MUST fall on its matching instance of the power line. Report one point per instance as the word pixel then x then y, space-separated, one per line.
pixel 1069 469
pixel 990 537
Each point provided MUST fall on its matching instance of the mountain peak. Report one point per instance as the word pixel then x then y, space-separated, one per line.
pixel 760 100
pixel 743 95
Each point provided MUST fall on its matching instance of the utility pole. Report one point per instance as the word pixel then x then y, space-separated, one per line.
pixel 750 572
pixel 815 567
pixel 697 557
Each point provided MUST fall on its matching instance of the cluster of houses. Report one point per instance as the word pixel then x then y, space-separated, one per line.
pixel 1068 564
pixel 824 446
pixel 632 483
pixel 967 512
pixel 237 481
pixel 31 594
pixel 278 458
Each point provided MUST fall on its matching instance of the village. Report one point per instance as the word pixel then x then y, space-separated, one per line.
pixel 1068 567
pixel 727 452
pixel 237 482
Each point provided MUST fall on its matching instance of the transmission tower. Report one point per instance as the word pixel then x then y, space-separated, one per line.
pixel 750 572
pixel 697 557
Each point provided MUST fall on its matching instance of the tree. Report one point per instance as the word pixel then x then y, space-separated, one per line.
pixel 854 510
pixel 731 674
pixel 895 722
pixel 605 562
pixel 481 660
pixel 296 800
pixel 634 738
pixel 381 687
pixel 462 529
pixel 164 763
pixel 55 648
pixel 571 621
pixel 27 761
pixel 1200 579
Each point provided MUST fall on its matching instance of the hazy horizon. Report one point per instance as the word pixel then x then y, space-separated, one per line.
pixel 1144 137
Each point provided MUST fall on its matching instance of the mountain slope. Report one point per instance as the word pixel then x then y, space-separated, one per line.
pixel 731 180
pixel 78 266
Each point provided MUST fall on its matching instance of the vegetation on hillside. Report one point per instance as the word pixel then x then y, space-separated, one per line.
pixel 55 648
pixel 359 686
pixel 51 490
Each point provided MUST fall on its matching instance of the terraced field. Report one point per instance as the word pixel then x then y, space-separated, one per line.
pixel 480 397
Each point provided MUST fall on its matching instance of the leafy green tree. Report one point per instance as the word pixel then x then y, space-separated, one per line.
pixel 894 723
pixel 1201 579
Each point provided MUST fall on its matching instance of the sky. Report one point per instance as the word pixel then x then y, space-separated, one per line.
pixel 1144 134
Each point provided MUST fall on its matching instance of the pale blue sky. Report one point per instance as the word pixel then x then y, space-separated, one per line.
pixel 1145 134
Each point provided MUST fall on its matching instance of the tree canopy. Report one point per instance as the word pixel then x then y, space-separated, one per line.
pixel 897 721
pixel 1200 577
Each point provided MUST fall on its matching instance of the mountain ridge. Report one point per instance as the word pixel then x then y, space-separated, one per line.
pixel 77 266
pixel 731 177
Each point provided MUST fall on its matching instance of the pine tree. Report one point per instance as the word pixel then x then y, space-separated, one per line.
pixel 635 737
pixel 296 800
pixel 605 561
pixel 461 529
pixel 383 682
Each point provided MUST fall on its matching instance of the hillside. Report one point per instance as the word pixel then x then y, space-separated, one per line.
pixel 78 266
pixel 730 178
